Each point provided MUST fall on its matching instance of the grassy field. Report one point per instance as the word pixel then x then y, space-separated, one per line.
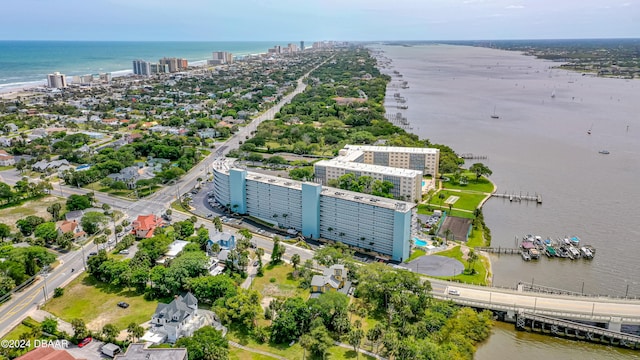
pixel 37 207
pixel 294 352
pixel 96 303
pixel 475 239
pixel 422 209
pixel 15 333
pixel 481 271
pixel 466 201
pixel 283 286
pixel 483 184
pixel 239 354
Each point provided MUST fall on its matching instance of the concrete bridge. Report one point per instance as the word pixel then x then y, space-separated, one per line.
pixel 511 304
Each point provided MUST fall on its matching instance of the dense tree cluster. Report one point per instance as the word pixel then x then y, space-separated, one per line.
pixel 20 264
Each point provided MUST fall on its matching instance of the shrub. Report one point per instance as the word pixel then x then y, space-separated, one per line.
pixel 272 280
pixel 58 292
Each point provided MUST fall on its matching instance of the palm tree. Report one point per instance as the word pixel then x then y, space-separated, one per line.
pixel 295 261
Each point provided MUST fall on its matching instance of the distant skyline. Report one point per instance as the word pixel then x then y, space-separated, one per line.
pixel 294 20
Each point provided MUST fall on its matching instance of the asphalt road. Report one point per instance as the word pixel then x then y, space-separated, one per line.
pixel 42 289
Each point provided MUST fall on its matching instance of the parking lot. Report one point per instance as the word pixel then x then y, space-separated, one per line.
pixel 91 351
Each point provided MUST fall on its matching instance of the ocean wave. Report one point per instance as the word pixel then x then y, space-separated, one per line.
pixel 4 88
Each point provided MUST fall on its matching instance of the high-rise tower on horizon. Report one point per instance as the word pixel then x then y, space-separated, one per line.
pixel 302 45
pixel 57 80
pixel 141 67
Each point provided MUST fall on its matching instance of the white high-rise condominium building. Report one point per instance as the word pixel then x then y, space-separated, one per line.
pixel 407 183
pixel 57 80
pixel 426 160
pixel 141 67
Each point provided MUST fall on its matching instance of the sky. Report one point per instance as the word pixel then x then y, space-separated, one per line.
pixel 366 20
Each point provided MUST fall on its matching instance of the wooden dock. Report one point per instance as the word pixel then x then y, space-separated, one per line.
pixel 470 156
pixel 500 250
pixel 519 197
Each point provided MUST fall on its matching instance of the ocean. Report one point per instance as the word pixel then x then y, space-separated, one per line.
pixel 27 63
pixel 539 144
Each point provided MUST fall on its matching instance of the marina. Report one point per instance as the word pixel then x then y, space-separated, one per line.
pixel 532 247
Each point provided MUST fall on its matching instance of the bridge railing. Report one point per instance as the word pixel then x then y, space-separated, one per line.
pixel 535 310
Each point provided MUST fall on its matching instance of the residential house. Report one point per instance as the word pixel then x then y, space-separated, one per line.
pixel 140 351
pixel 133 137
pixel 5 141
pixel 6 159
pixel 171 319
pixel 39 132
pixel 43 165
pixel 75 215
pixel 11 128
pixel 48 353
pixel 145 225
pixel 226 240
pixel 66 226
pixel 128 175
pixel 208 133
pixel 333 279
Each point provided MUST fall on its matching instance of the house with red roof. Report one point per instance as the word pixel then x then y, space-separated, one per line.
pixel 73 227
pixel 47 353
pixel 6 159
pixel 145 225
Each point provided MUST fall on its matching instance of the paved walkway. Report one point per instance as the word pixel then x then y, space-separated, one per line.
pixel 41 315
pixel 256 351
pixel 362 351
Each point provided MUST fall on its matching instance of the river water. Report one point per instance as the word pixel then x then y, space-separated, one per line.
pixel 540 145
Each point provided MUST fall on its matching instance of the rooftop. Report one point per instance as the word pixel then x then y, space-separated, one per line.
pixel 385 170
pixel 412 150
pixel 140 352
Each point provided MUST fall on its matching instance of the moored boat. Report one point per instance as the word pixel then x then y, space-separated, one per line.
pixel 525 255
pixel 534 253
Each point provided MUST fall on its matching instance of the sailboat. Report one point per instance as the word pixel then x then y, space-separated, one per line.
pixel 589 131
pixel 494 116
pixel 553 94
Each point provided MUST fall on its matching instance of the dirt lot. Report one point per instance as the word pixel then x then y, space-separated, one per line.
pixel 38 207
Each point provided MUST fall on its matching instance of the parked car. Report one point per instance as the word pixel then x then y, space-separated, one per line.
pixel 209 215
pixel 123 304
pixel 255 263
pixel 93 253
pixel 454 292
pixel 85 341
pixel 124 252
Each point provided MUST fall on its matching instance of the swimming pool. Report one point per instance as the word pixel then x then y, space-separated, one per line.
pixel 423 182
pixel 419 242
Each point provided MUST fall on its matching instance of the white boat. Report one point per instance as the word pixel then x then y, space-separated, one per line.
pixel 604 152
pixel 586 253
pixel 553 94
pixel 494 115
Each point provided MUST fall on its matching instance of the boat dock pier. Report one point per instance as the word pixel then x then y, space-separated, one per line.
pixel 470 156
pixel 519 197
pixel 499 250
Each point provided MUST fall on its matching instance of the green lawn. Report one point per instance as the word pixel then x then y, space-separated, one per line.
pixel 239 354
pixel 483 184
pixel 475 239
pixel 422 209
pixel 415 254
pixel 466 201
pixel 481 271
pixel 284 286
pixel 295 352
pixel 96 303
pixel 15 333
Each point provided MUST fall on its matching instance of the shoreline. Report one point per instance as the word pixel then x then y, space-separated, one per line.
pixel 24 86
pixel 388 104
